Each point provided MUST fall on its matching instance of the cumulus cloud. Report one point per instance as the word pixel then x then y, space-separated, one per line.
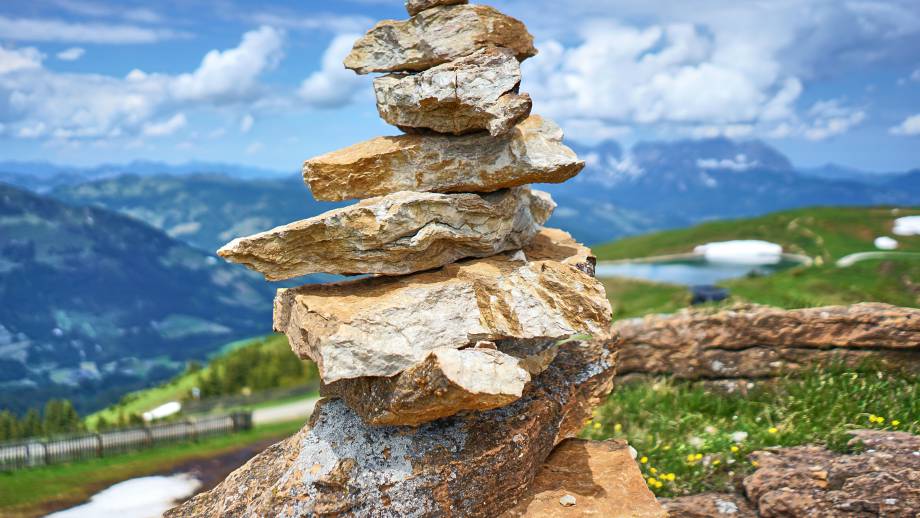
pixel 45 103
pixel 39 29
pixel 739 163
pixel 830 118
pixel 333 85
pixel 232 74
pixel 20 59
pixel 909 127
pixel 71 54
pixel 166 127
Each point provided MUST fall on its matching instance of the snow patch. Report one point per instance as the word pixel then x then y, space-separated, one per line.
pixel 885 243
pixel 144 497
pixel 741 252
pixel 907 226
pixel 164 410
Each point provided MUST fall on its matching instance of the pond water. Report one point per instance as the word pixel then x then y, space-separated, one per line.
pixel 689 272
pixel 144 497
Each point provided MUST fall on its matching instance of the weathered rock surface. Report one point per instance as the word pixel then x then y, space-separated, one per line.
pixel 416 6
pixel 435 36
pixel 760 341
pixel 474 93
pixel 396 234
pixel 470 465
pixel 531 153
pixel 884 480
pixel 709 505
pixel 602 477
pixel 446 382
pixel 881 480
pixel 382 326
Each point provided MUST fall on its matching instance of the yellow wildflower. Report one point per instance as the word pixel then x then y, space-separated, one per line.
pixel 653 471
pixel 880 420
pixel 597 426
pixel 772 429
pixel 716 462
pixel 698 456
pixel 895 423
pixel 734 449
pixel 643 460
pixel 618 428
pixel 671 476
pixel 755 463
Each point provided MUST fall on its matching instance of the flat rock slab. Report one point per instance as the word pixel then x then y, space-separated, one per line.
pixel 470 465
pixel 532 152
pixel 473 93
pixel 384 325
pixel 602 477
pixel 709 505
pixel 760 341
pixel 416 6
pixel 400 233
pixel 444 383
pixel 436 36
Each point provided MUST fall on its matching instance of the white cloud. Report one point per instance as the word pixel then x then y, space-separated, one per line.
pixel 39 29
pixel 593 131
pixel 254 148
pixel 333 85
pixel 20 59
pixel 739 163
pixel 231 74
pixel 909 127
pixel 41 102
pixel 609 170
pixel 71 54
pixel 915 75
pixel 166 127
pixel 246 123
pixel 831 118
pixel 313 21
pixel 85 8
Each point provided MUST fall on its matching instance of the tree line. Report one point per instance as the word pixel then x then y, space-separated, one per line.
pixel 58 417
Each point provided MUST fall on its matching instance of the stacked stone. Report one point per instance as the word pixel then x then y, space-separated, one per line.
pixel 455 367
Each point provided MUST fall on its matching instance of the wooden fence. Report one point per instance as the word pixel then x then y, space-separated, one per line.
pixel 41 452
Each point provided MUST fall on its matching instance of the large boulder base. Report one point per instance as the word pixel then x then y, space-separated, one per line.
pixel 470 465
pixel 474 93
pixel 760 341
pixel 532 152
pixel 602 477
pixel 436 36
pixel 381 326
pixel 397 234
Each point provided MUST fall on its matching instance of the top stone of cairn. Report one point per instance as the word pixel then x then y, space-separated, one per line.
pixel 435 36
pixel 416 6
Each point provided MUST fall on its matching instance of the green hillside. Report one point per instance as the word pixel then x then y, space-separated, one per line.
pixel 825 234
pixel 244 366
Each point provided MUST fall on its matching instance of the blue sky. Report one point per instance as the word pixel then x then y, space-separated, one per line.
pixel 261 83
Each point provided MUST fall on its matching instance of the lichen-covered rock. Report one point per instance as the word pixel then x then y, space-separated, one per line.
pixel 396 234
pixel 600 476
pixel 436 36
pixel 445 382
pixel 477 464
pixel 474 93
pixel 382 326
pixel 416 6
pixel 760 341
pixel 882 480
pixel 532 152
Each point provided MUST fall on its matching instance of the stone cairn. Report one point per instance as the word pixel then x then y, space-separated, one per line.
pixel 454 368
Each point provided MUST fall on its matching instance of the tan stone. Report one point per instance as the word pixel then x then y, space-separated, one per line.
pixel 381 326
pixel 446 382
pixel 474 93
pixel 476 464
pixel 436 36
pixel 760 341
pixel 601 477
pixel 396 234
pixel 531 153
pixel 416 6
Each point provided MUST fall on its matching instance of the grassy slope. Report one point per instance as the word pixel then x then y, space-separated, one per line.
pixel 28 492
pixel 685 429
pixel 826 234
pixel 173 390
